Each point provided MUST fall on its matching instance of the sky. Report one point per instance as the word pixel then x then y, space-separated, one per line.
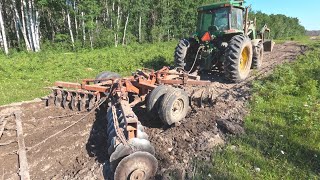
pixel 307 11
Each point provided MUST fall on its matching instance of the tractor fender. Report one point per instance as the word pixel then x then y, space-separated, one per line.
pixel 255 43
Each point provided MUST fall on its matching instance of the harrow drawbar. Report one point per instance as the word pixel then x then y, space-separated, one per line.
pixel 131 153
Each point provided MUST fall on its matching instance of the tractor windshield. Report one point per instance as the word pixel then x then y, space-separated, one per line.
pixel 213 20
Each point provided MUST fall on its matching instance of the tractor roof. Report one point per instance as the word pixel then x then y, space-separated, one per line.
pixel 235 3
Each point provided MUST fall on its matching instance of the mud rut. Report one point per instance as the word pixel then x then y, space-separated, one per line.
pixel 80 151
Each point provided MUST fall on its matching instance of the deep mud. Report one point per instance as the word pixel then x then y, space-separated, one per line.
pixel 79 152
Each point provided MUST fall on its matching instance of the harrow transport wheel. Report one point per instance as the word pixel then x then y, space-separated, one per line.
pixel 136 166
pixel 238 58
pixel 257 56
pixel 155 98
pixel 174 106
pixel 121 151
pixel 106 75
pixel 185 53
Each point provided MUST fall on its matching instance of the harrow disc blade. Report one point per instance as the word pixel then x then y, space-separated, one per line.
pixel 140 127
pixel 111 135
pixel 136 144
pixel 142 135
pixel 137 166
pixel 58 100
pixel 112 147
pixel 110 127
pixel 79 103
pixel 92 102
pixel 50 100
pixel 64 100
pixel 85 102
pixel 72 103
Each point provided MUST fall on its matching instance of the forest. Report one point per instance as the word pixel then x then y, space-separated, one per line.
pixel 32 25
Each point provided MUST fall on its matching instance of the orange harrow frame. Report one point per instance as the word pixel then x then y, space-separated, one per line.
pixel 140 84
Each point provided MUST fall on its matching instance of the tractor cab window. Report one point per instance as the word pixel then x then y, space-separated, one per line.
pixel 237 18
pixel 213 20
pixel 221 19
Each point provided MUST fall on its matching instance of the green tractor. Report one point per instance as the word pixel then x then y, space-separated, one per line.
pixel 225 40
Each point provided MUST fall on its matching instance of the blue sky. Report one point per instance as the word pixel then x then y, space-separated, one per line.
pixel 307 11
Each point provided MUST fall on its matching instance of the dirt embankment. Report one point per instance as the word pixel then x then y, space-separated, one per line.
pixel 80 151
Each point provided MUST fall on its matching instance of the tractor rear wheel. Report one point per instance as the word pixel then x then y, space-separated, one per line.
pixel 106 75
pixel 238 58
pixel 185 53
pixel 257 56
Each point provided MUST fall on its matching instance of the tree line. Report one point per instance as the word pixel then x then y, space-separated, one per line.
pixel 281 26
pixel 30 24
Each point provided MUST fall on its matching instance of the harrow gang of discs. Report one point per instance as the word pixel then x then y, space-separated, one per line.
pixel 127 142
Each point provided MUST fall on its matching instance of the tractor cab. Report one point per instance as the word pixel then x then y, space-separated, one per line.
pixel 219 19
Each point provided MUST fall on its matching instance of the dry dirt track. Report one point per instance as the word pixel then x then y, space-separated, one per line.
pixel 80 151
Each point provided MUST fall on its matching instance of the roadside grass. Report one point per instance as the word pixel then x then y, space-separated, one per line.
pixel 282 139
pixel 23 76
pixel 301 39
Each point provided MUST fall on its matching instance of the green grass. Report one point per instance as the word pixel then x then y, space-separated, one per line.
pixel 301 39
pixel 282 136
pixel 23 76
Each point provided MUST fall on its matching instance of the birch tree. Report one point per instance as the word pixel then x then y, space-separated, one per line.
pixel 23 25
pixel 116 35
pixel 3 37
pixel 125 30
pixel 83 29
pixel 69 22
pixel 32 25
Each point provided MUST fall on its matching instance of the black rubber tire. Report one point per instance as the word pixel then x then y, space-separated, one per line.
pixel 106 75
pixel 166 112
pixel 185 53
pixel 257 58
pixel 155 97
pixel 233 54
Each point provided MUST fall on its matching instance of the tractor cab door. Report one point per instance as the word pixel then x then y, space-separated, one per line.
pixel 237 19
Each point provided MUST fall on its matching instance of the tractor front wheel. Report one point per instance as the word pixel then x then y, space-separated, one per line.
pixel 257 56
pixel 238 58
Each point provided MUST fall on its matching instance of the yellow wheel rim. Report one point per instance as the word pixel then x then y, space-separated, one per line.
pixel 244 59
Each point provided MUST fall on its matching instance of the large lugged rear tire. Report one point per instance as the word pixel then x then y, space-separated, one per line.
pixel 184 54
pixel 257 56
pixel 238 58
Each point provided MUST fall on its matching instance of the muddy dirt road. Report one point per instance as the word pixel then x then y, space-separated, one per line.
pixel 62 144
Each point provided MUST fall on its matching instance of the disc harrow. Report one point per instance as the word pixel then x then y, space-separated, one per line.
pixel 131 153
